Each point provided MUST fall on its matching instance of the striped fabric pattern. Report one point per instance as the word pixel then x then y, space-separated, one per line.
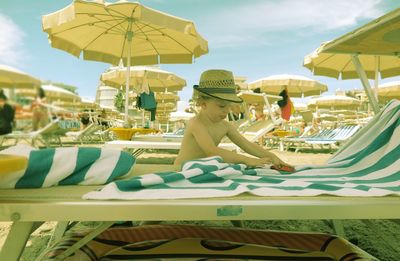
pixel 67 166
pixel 368 165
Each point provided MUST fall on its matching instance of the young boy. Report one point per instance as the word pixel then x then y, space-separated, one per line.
pixel 215 94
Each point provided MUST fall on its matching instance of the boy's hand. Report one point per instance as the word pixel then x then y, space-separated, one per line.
pixel 254 162
pixel 278 163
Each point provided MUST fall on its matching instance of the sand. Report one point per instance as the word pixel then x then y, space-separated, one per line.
pixel 356 231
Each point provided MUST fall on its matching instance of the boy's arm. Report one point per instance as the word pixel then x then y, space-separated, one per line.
pixel 253 148
pixel 206 143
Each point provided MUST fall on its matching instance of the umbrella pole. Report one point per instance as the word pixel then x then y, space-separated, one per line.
pixel 364 80
pixel 128 74
pixel 376 82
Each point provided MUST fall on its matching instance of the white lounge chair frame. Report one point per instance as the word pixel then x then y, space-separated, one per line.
pixel 28 208
pixel 51 131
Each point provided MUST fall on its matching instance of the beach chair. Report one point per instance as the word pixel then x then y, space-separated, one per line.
pixel 49 134
pixel 325 138
pixel 86 135
pixel 137 148
pixel 175 136
pixel 375 145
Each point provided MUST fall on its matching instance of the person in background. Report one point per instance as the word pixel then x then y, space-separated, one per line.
pixel 235 113
pixel 103 119
pixel 40 115
pixel 7 114
pixel 285 105
pixel 85 119
pixel 257 109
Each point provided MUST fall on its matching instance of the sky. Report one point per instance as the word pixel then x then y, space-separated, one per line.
pixel 251 38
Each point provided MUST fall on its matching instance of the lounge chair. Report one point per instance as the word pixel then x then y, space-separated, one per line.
pixel 325 137
pixel 86 135
pixel 46 135
pixel 139 147
pixel 28 208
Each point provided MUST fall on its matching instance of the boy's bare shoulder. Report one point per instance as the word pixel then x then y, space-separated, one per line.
pixel 193 122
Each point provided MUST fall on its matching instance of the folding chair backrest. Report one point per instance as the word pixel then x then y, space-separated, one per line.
pixel 258 129
pixel 50 128
pixel 307 116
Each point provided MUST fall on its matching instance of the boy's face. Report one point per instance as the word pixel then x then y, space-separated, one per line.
pixel 216 110
pixel 2 102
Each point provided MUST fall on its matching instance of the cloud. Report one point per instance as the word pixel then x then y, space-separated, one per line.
pixel 11 42
pixel 254 23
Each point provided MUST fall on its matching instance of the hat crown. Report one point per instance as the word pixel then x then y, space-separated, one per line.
pixel 217 79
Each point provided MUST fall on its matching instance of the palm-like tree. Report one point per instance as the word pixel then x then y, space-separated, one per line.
pixel 119 101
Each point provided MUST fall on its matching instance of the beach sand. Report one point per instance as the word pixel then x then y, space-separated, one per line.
pixel 356 231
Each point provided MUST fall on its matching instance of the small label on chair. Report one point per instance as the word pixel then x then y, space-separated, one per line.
pixel 229 211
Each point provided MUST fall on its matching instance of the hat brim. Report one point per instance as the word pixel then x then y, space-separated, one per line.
pixel 222 96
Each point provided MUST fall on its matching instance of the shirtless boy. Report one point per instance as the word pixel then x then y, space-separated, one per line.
pixel 215 94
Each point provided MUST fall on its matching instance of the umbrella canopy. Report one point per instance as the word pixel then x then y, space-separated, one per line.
pixel 14 78
pixel 340 65
pixel 297 86
pixel 166 97
pixel 88 104
pixel 390 90
pixel 363 53
pixel 181 115
pixel 53 93
pixel 168 106
pixel 334 102
pixel 300 106
pixel 143 79
pixel 109 32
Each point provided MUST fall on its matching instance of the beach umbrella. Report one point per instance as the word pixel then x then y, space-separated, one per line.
pixel 166 97
pixel 388 91
pixel 53 93
pixel 168 106
pixel 364 53
pixel 181 115
pixel 143 79
pixel 300 106
pixel 127 31
pixel 13 78
pixel 297 85
pixel 334 102
pixel 88 104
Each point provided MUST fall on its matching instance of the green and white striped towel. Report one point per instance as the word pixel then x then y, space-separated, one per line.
pixel 369 165
pixel 67 166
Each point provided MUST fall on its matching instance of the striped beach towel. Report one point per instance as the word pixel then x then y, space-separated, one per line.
pixel 368 165
pixel 66 166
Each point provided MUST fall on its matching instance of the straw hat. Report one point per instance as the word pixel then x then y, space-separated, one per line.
pixel 218 84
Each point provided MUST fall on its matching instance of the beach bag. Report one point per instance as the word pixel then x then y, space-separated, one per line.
pixel 148 101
